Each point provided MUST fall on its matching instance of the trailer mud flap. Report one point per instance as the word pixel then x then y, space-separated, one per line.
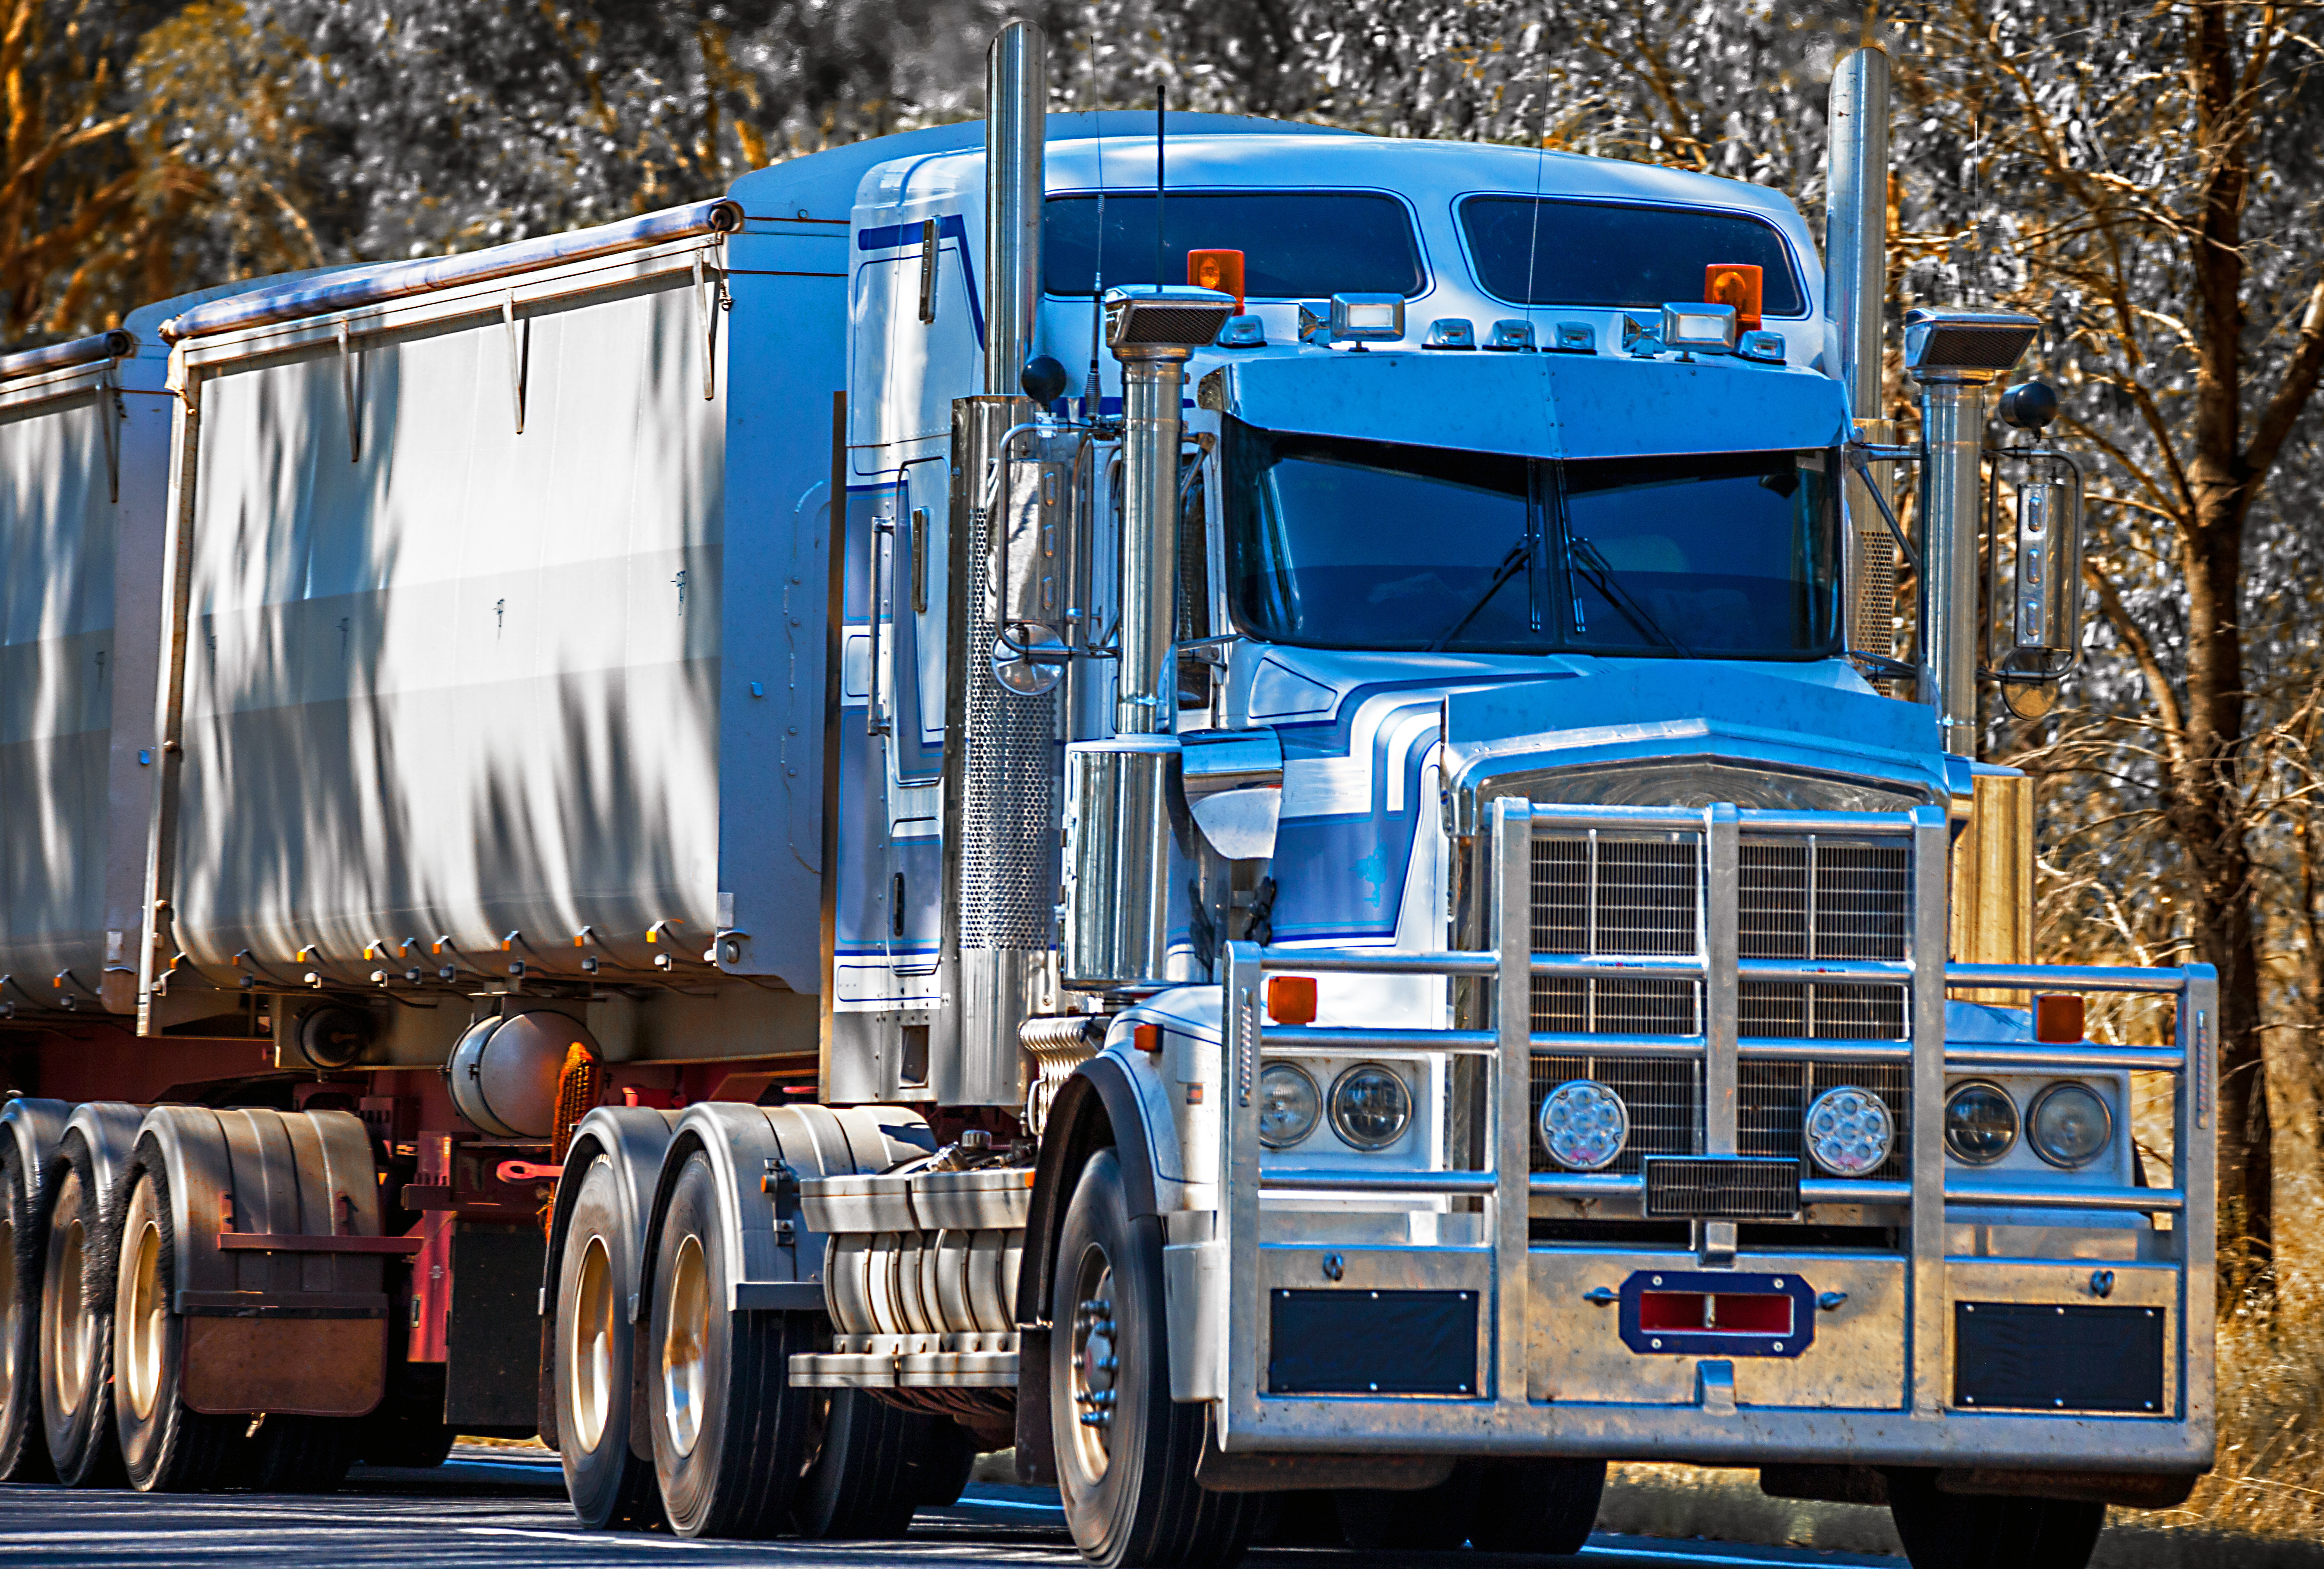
pixel 291 1367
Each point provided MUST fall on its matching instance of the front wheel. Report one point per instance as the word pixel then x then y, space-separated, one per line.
pixel 1126 1451
pixel 1945 1530
pixel 1536 1506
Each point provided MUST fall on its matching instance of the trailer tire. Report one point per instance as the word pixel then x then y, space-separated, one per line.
pixel 1128 1481
pixel 300 1453
pixel 875 1466
pixel 592 1359
pixel 166 1445
pixel 1434 1519
pixel 77 1336
pixel 1536 1506
pixel 23 1236
pixel 1946 1530
pixel 408 1431
pixel 729 1432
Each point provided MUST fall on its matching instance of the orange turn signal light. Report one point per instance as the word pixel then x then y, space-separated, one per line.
pixel 1291 999
pixel 1218 269
pixel 1734 283
pixel 1146 1038
pixel 2058 1017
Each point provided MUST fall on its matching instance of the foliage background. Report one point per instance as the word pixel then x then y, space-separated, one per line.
pixel 2143 176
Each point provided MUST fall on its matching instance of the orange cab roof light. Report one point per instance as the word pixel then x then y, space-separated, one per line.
pixel 1218 269
pixel 1734 283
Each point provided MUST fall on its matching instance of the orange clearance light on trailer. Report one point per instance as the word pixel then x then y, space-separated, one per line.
pixel 2058 1017
pixel 1218 269
pixel 1291 999
pixel 1734 283
pixel 1146 1038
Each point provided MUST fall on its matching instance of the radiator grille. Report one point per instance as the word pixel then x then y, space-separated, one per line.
pixel 1722 1189
pixel 1664 1098
pixel 1811 898
pixel 1629 897
pixel 1773 1099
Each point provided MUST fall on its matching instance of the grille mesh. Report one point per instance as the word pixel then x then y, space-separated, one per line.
pixel 1715 1190
pixel 1813 898
pixel 1772 1100
pixel 1664 1098
pixel 1629 897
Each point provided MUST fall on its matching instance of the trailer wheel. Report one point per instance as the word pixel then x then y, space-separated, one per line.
pixel 1126 1451
pixel 1536 1506
pixel 591 1362
pixel 1944 1530
pixel 23 1452
pixel 874 1465
pixel 166 1444
pixel 408 1430
pixel 1431 1519
pixel 728 1429
pixel 300 1453
pixel 77 1340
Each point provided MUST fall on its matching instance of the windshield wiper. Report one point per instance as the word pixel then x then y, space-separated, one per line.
pixel 1600 575
pixel 1516 557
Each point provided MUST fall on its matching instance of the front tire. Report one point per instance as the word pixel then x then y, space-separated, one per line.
pixel 729 1431
pixel 1536 1506
pixel 23 1236
pixel 608 1483
pixel 166 1445
pixel 1126 1451
pixel 75 1387
pixel 1944 1530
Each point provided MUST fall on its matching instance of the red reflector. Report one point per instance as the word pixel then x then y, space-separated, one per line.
pixel 1291 999
pixel 2058 1017
pixel 1719 1313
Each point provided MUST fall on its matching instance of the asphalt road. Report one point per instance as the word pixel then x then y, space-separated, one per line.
pixel 493 1510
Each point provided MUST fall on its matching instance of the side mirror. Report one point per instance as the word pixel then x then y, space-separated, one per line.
pixel 2035 637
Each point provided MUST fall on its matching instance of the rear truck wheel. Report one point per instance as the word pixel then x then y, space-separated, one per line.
pixel 408 1429
pixel 729 1432
pixel 591 1362
pixel 23 1447
pixel 299 1454
pixel 1126 1451
pixel 166 1444
pixel 872 1465
pixel 76 1372
pixel 1535 1506
pixel 1431 1519
pixel 1945 1530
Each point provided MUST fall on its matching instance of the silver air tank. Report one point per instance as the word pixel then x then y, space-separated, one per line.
pixel 1000 767
pixel 1855 288
pixel 1016 104
pixel 1119 792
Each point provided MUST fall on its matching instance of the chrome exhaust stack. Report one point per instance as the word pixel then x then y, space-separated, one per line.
pixel 1120 794
pixel 1016 108
pixel 1855 289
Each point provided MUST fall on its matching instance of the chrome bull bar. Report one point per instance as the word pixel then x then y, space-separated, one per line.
pixel 1500 1416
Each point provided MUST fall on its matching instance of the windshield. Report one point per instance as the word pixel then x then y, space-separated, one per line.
pixel 1363 545
pixel 1542 251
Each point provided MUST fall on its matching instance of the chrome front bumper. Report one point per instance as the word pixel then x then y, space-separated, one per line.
pixel 1553 1373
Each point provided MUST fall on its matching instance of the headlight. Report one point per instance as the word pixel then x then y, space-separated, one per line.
pixel 1583 1124
pixel 1288 1105
pixel 2069 1125
pixel 1980 1122
pixel 1370 1107
pixel 1850 1133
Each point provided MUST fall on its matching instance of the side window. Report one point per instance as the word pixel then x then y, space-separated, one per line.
pixel 1193 584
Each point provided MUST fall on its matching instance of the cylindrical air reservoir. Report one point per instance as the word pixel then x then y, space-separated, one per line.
pixel 1016 100
pixel 1118 860
pixel 504 1070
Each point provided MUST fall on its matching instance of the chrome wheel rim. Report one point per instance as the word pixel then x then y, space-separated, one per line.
pixel 144 1318
pixel 684 1370
pixel 1095 1360
pixel 67 1324
pixel 589 1345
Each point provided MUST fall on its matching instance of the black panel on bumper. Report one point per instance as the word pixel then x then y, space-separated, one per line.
pixel 1364 1343
pixel 2025 1356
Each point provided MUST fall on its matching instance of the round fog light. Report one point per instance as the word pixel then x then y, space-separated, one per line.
pixel 1583 1124
pixel 2069 1125
pixel 1850 1133
pixel 1370 1107
pixel 1288 1105
pixel 1980 1122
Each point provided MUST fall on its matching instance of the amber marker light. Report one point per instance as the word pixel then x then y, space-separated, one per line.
pixel 1218 269
pixel 1291 999
pixel 1734 283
